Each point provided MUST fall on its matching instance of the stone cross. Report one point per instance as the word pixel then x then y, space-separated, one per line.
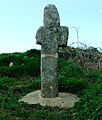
pixel 50 36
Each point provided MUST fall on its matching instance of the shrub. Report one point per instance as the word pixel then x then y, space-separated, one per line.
pixel 72 85
pixel 14 71
pixel 5 83
pixel 90 105
pixel 70 77
pixel 32 67
pixel 17 60
pixel 69 69
pixel 4 71
pixel 33 53
pixel 99 80
pixel 36 85
pixel 93 75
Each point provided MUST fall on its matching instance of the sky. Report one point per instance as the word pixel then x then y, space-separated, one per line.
pixel 20 20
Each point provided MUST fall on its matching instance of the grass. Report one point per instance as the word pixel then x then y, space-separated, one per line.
pixel 90 105
pixel 11 109
pixel 24 77
pixel 11 91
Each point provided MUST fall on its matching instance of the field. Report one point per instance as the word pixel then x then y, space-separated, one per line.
pixel 79 72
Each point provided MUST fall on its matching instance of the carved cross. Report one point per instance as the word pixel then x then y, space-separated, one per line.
pixel 50 36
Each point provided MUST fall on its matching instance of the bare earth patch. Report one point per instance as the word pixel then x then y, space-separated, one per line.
pixel 65 100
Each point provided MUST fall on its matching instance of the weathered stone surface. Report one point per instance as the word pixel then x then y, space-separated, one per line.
pixel 49 86
pixel 50 37
pixel 51 16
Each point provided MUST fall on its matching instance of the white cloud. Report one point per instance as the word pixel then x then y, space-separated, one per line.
pixel 100 10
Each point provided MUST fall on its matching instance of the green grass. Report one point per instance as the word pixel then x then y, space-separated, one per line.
pixel 90 105
pixel 24 77
pixel 11 92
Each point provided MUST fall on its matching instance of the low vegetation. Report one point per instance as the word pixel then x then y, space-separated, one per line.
pixel 20 74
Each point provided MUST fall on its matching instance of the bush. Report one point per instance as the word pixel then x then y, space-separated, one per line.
pixel 93 76
pixel 32 67
pixel 4 71
pixel 90 105
pixel 5 83
pixel 69 69
pixel 33 53
pixel 72 85
pixel 70 77
pixel 14 71
pixel 36 85
pixel 27 64
pixel 17 60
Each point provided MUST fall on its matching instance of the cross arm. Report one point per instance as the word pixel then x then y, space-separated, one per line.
pixel 39 35
pixel 64 36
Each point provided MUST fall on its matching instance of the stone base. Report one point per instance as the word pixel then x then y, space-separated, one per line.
pixel 65 100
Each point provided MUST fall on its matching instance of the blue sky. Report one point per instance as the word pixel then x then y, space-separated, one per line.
pixel 20 19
